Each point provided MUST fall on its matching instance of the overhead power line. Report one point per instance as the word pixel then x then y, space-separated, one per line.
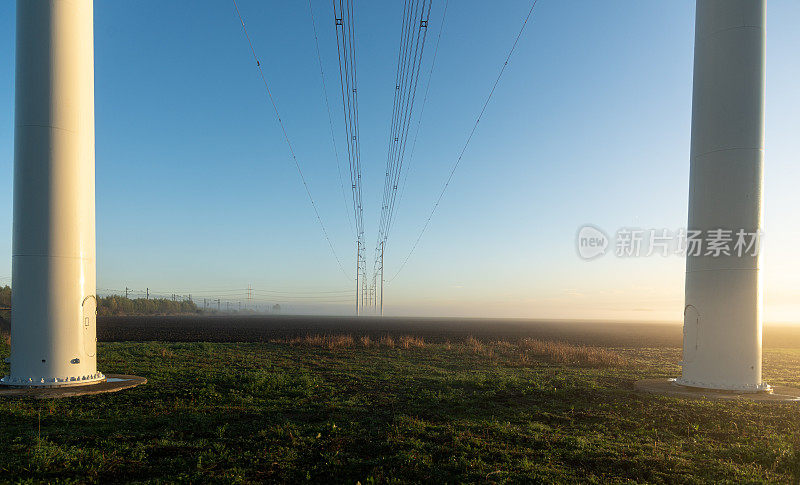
pixel 286 137
pixel 413 33
pixel 235 294
pixel 346 53
pixel 412 44
pixel 328 109
pixel 404 184
pixel 469 138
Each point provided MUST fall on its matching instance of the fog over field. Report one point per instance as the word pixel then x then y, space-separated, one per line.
pixel 265 328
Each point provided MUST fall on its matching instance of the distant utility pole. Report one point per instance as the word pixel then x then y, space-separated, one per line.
pixel 382 243
pixel 148 293
pixel 204 304
pixel 358 270
pixel 126 292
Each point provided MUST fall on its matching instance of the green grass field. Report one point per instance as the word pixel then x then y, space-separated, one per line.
pixel 337 410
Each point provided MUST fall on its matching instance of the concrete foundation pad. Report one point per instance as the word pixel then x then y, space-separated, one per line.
pixel 113 383
pixel 668 387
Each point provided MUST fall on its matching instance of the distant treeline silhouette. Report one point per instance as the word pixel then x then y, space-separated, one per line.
pixel 119 305
pixel 5 315
pixel 5 296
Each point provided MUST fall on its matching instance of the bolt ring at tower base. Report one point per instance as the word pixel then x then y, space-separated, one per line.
pixel 112 383
pixel 747 388
pixel 86 380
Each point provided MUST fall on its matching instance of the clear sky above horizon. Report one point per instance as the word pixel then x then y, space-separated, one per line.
pixel 196 191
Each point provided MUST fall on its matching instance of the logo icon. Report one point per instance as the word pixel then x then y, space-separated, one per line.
pixel 592 242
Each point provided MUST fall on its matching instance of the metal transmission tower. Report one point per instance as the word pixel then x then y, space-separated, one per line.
pixel 345 46
pixel 376 289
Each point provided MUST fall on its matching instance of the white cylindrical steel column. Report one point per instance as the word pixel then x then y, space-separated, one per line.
pixel 53 301
pixel 722 316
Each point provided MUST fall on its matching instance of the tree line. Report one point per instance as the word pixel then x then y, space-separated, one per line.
pixel 120 305
pixel 5 296
pixel 5 315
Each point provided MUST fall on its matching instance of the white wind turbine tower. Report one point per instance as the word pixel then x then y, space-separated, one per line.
pixel 722 316
pixel 53 301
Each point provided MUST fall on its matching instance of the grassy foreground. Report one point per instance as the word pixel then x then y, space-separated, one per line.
pixel 346 410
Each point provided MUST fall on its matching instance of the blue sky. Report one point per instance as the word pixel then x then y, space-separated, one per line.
pixel 196 191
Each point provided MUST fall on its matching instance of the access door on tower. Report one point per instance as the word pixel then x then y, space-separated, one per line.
pixel 88 322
